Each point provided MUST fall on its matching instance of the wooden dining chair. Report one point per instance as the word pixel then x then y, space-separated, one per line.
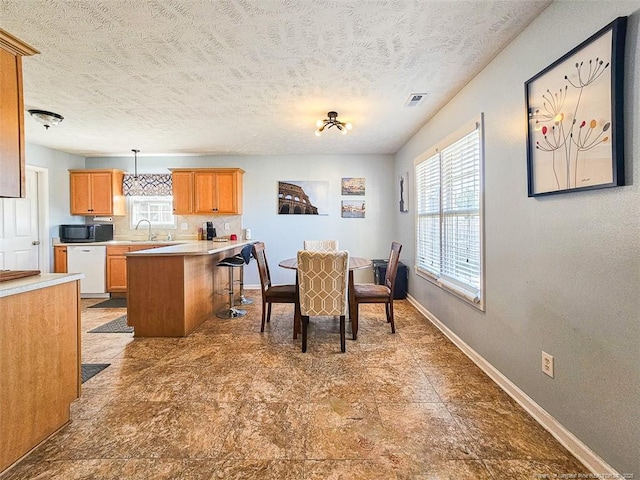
pixel 321 245
pixel 270 293
pixel 322 283
pixel 370 293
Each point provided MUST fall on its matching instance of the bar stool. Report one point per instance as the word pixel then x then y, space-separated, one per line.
pixel 239 260
pixel 231 263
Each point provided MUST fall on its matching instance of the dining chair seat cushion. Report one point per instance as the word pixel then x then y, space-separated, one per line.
pixel 370 293
pixel 281 294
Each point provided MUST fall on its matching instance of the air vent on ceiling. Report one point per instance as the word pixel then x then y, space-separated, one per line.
pixel 415 99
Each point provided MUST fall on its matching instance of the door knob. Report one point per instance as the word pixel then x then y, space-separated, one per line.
pixel 35 242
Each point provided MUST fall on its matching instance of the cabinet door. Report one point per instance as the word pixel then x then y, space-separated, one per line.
pixel 12 180
pixel 182 192
pixel 80 193
pixel 226 188
pixel 205 192
pixel 101 194
pixel 59 259
pixel 117 268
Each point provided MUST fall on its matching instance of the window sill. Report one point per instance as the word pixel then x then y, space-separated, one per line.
pixel 462 294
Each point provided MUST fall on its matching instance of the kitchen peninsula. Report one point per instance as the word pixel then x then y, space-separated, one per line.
pixel 39 359
pixel 172 290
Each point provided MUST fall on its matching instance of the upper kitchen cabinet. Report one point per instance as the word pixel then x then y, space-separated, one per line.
pixel 12 164
pixel 96 192
pixel 215 191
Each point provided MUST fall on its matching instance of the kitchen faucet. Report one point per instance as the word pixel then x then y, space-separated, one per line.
pixel 145 220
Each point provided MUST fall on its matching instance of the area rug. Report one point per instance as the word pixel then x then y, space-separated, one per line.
pixel 90 370
pixel 119 325
pixel 116 302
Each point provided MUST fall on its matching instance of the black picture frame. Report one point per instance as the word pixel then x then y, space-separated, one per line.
pixel 574 107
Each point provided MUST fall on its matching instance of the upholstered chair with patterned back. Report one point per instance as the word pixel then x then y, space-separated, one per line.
pixel 321 245
pixel 369 293
pixel 270 293
pixel 322 282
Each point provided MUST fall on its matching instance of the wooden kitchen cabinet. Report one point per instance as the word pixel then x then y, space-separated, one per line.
pixel 12 159
pixel 216 191
pixel 60 259
pixel 96 192
pixel 182 185
pixel 117 265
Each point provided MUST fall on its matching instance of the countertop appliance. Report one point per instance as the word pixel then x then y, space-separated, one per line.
pixel 90 260
pixel 85 233
pixel 210 230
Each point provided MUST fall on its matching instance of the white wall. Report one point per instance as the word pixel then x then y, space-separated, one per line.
pixel 283 234
pixel 57 165
pixel 562 272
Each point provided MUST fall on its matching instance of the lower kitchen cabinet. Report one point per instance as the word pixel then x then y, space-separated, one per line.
pixel 117 265
pixel 60 259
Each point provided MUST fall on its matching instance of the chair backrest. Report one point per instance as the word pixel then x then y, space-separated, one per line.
pixel 392 266
pixel 321 245
pixel 322 280
pixel 263 266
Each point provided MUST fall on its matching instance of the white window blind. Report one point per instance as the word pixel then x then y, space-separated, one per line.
pixel 449 231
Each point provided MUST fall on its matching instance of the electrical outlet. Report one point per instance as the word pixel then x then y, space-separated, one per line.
pixel 547 364
pixel 226 226
pixel 184 226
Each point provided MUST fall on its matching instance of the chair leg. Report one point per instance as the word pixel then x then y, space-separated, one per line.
pixel 264 314
pixel 343 342
pixel 390 316
pixel 305 325
pixel 354 320
pixel 269 313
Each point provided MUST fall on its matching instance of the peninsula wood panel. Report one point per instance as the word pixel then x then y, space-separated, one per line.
pixel 39 366
pixel 178 301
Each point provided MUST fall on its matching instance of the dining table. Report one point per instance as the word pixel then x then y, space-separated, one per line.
pixel 355 263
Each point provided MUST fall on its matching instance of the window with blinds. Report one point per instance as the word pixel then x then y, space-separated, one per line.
pixel 449 221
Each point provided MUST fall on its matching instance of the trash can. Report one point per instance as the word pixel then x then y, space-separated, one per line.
pixel 402 277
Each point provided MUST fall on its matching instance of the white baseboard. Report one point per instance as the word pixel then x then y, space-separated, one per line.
pixel 582 452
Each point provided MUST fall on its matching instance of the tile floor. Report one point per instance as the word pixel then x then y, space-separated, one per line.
pixel 228 402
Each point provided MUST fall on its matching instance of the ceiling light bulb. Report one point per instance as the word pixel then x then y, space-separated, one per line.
pixel 349 126
pixel 319 123
pixel 344 131
pixel 318 133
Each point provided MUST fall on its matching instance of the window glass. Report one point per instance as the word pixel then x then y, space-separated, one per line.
pixel 158 210
pixel 449 214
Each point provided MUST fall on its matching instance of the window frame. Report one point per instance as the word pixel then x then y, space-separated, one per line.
pixel 443 281
pixel 134 219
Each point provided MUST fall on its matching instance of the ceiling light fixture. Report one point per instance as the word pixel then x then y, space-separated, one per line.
pixel 332 121
pixel 135 163
pixel 48 119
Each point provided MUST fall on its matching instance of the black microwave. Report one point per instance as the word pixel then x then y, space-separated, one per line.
pixel 82 233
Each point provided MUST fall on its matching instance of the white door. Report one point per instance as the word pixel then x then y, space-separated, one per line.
pixel 19 235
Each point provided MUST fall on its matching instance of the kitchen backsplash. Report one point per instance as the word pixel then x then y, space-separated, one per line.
pixel 123 229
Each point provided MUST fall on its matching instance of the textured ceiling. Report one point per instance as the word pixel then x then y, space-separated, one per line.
pixel 249 76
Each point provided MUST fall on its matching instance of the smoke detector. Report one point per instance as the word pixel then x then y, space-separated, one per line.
pixel 415 99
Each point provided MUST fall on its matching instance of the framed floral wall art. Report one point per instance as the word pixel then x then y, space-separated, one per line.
pixel 575 136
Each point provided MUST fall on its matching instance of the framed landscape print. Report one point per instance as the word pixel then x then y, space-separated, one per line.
pixel 352 209
pixel 575 119
pixel 353 186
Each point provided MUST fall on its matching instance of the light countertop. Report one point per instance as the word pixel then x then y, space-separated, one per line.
pixel 27 284
pixel 202 247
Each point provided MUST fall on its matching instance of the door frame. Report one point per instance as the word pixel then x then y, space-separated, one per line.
pixel 44 249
